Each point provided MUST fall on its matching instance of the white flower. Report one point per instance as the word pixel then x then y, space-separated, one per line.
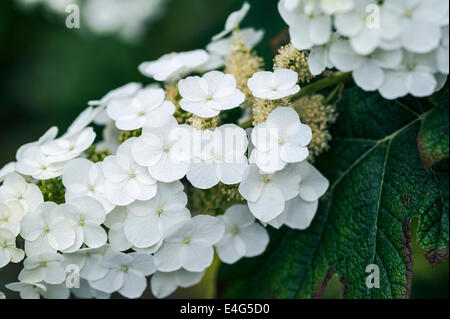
pixel 165 150
pixel 11 214
pixel 83 120
pixel 47 228
pixel 243 236
pixel 189 244
pixel 127 181
pixel 85 291
pixel 44 267
pixel 442 53
pixel 131 112
pixel 37 165
pixel 222 157
pixel 266 194
pixel 111 135
pixel 127 90
pixel 282 139
pixel 336 6
pixel 274 85
pixel 308 25
pixel 68 146
pixel 416 76
pixel 206 96
pixel 148 220
pixel 368 70
pixel 8 250
pixel 15 188
pixel 233 21
pixel 164 283
pixel 89 261
pixel 85 178
pixel 126 273
pixel 319 57
pixel 418 23
pixel 171 66
pixel 7 169
pixel 87 215
pixel 249 37
pixel 36 290
pixel 116 235
pixel 300 210
pixel 48 136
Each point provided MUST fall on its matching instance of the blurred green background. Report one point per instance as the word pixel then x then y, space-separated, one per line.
pixel 49 72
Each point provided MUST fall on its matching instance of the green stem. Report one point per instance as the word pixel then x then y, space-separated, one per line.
pixel 324 83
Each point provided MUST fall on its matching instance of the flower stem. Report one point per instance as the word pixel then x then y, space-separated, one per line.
pixel 324 83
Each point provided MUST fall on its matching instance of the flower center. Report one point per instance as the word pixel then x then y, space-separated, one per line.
pixel 411 66
pixel 5 219
pixel 235 230
pixel 4 244
pixel 71 148
pixel 43 264
pixel 408 13
pixel 266 179
pixel 281 141
pixel 19 197
pixel 46 229
pixel 159 210
pixel 43 167
pixel 124 268
pixel 132 175
pixel 166 149
pixel 186 240
pixel 81 222
pixel 91 188
pixel 209 98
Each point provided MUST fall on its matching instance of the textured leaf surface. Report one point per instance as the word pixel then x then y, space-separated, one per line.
pixel 432 139
pixel 378 184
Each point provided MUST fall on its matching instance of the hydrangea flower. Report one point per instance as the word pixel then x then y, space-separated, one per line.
pixel 206 96
pixel 274 85
pixel 280 140
pixel 89 261
pixel 233 21
pixel 165 150
pixel 127 180
pixel 15 188
pixel 46 267
pixel 222 157
pixel 165 283
pixel 82 177
pixel 249 37
pixel 8 250
pixel 36 290
pixel 131 112
pixel 172 65
pixel 126 273
pixel 6 170
pixel 148 220
pixel 87 215
pixel 37 165
pixel 47 228
pixel 442 53
pixel 11 214
pixel 85 291
pixel 189 244
pixel 308 24
pixel 300 211
pixel 266 194
pixel 243 236
pixel 115 221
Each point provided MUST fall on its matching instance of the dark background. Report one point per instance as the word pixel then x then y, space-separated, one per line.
pixel 49 72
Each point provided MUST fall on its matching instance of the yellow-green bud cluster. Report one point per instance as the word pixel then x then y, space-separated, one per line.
pixel 261 108
pixel 125 135
pixel 95 155
pixel 290 58
pixel 53 190
pixel 314 113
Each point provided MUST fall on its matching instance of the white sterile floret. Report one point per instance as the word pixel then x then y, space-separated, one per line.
pixel 442 53
pixel 319 57
pixel 8 250
pixel 221 159
pixel 206 96
pixel 127 180
pixel 189 244
pixel 111 138
pixel 308 24
pixel 115 222
pixel 282 139
pixel 84 119
pixel 147 221
pixel 173 65
pixel 415 76
pixel 35 163
pixel 233 21
pixel 131 112
pixel 165 283
pixel 266 194
pixel 82 177
pixel 300 210
pixel 274 85
pixel 46 267
pixel 6 170
pixel 85 291
pixel 15 188
pixel 87 215
pixel 248 37
pixel 11 214
pixel 47 228
pixel 336 6
pixel 368 70
pixel 48 136
pixel 36 290
pixel 89 262
pixel 165 150
pixel 418 23
pixel 244 237
pixel 126 273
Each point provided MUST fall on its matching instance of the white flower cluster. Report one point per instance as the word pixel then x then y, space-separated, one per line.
pixel 126 218
pixel 397 47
